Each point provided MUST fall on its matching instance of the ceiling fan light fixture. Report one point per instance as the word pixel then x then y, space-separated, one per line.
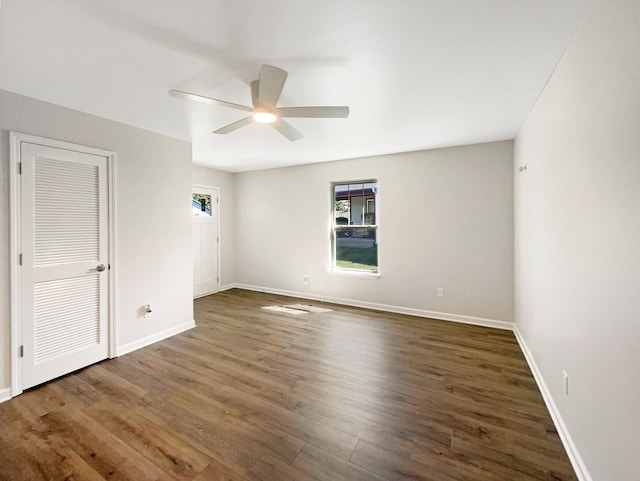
pixel 265 93
pixel 264 117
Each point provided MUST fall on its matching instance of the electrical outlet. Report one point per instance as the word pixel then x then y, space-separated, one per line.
pixel 306 279
pixel 565 382
pixel 440 291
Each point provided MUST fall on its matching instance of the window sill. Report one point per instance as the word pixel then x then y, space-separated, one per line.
pixel 354 273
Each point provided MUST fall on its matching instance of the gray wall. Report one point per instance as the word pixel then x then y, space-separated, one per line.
pixel 153 179
pixel 577 248
pixel 446 220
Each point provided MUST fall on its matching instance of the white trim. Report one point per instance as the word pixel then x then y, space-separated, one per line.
pixel 572 451
pixel 5 395
pixel 113 331
pixel 206 294
pixel 60 144
pixel 336 271
pixel 14 250
pixel 443 316
pixel 15 140
pixel 153 338
pixel 226 287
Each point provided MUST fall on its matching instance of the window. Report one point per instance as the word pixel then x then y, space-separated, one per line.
pixel 355 226
pixel 201 205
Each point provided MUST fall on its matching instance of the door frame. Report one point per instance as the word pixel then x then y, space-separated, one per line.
pixel 15 235
pixel 217 189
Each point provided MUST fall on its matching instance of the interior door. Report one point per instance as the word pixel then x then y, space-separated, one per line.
pixel 65 265
pixel 205 205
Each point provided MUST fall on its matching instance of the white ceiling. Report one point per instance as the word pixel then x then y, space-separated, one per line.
pixel 417 74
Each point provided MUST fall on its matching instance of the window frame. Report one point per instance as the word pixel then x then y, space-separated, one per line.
pixel 335 227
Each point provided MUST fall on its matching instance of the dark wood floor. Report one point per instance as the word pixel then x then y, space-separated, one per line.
pixel 348 395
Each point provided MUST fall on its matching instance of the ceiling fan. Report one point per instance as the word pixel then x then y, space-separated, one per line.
pixel 265 93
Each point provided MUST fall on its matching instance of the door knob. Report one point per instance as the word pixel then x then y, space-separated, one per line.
pixel 100 268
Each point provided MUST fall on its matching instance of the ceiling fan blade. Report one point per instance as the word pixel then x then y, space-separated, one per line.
pixel 315 112
pixel 234 126
pixel 272 80
pixel 208 100
pixel 255 92
pixel 286 129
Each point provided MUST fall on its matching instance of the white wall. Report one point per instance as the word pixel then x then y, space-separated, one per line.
pixel 446 220
pixel 154 261
pixel 577 248
pixel 225 181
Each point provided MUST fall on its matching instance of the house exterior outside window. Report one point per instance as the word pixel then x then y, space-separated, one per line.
pixel 354 229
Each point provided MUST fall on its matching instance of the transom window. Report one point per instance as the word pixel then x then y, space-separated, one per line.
pixel 355 226
pixel 201 205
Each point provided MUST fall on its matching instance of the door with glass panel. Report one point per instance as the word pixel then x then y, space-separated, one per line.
pixel 204 209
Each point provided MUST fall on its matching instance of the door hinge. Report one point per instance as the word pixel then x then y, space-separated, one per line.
pixel 20 259
pixel 19 168
pixel 21 351
pixel 218 240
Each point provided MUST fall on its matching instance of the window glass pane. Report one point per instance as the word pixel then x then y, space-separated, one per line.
pixel 341 204
pixel 356 248
pixel 355 204
pixel 356 195
pixel 201 205
pixel 369 192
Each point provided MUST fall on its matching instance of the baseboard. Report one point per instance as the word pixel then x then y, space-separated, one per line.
pixel 226 287
pixel 567 441
pixel 5 394
pixel 158 336
pixel 443 316
pixel 205 295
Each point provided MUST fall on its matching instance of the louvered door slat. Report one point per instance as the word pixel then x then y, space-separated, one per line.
pixel 66 207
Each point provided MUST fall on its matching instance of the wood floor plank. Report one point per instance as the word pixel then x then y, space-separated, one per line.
pixel 154 442
pixel 216 471
pixel 396 466
pixel 267 439
pixel 327 467
pixel 254 395
pixel 261 411
pixel 268 469
pixel 101 449
pixel 31 454
pixel 205 435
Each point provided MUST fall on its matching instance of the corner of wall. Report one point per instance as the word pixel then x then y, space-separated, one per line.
pixel 565 436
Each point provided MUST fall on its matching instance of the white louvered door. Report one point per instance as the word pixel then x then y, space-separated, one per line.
pixel 64 249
